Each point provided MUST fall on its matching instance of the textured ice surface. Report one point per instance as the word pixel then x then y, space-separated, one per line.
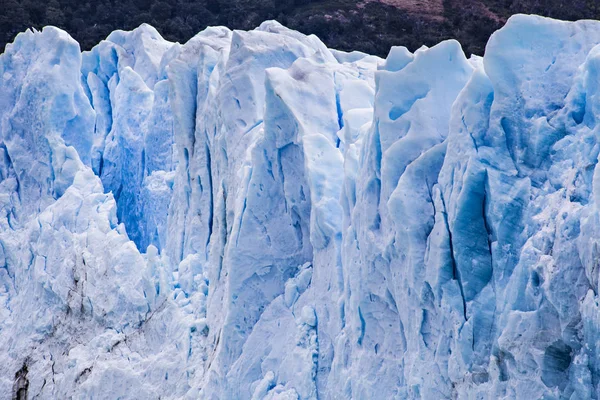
pixel 251 215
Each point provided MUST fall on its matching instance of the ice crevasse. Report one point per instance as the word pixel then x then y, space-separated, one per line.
pixel 251 215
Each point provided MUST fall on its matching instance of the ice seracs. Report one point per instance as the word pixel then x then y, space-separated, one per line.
pixel 254 215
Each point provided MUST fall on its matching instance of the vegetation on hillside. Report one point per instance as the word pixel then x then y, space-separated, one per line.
pixel 368 25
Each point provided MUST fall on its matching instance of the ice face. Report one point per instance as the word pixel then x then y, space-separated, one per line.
pixel 253 215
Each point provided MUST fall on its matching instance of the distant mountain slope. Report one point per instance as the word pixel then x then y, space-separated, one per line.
pixel 367 25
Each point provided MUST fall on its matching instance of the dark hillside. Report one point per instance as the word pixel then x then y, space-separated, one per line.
pixel 368 25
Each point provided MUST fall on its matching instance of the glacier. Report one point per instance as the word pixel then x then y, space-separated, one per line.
pixel 252 215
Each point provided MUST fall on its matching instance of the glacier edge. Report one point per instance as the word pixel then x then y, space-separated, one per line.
pixel 254 215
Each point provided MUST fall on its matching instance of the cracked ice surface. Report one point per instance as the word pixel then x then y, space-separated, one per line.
pixel 252 215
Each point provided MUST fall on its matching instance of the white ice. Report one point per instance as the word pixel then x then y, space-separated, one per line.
pixel 251 215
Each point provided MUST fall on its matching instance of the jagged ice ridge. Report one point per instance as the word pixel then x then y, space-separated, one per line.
pixel 252 215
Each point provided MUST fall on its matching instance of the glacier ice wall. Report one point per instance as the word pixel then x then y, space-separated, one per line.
pixel 251 215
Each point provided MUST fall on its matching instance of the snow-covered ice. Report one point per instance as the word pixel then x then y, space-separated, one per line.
pixel 251 215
